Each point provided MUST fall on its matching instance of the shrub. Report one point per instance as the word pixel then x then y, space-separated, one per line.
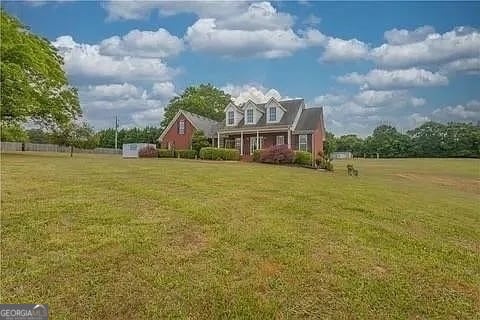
pixel 256 155
pixel 186 154
pixel 279 154
pixel 303 158
pixel 324 163
pixel 165 153
pixel 199 141
pixel 148 152
pixel 210 153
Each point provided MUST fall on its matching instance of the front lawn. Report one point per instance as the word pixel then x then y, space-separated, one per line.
pixel 104 238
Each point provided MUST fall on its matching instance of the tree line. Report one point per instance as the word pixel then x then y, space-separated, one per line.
pixel 431 139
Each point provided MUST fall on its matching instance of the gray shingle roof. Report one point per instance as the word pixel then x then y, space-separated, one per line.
pixel 207 125
pixel 309 119
pixel 288 117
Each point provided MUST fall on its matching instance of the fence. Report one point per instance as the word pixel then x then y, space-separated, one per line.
pixel 43 147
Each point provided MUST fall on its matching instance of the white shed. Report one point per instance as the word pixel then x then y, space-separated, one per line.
pixel 130 150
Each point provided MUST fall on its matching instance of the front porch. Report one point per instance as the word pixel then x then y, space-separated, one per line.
pixel 247 141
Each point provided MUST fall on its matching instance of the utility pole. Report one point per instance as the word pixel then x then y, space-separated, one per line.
pixel 116 131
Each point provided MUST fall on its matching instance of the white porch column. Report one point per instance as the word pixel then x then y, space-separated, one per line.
pixel 218 139
pixel 289 139
pixel 258 141
pixel 241 143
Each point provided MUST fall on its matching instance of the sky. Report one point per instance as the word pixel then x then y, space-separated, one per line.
pixel 366 63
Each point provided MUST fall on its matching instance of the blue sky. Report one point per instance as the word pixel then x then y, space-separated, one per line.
pixel 366 63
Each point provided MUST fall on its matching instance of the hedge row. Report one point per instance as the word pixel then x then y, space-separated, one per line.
pixel 210 153
pixel 186 154
pixel 165 153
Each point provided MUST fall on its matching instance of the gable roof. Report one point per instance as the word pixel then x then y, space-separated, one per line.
pixel 291 106
pixel 309 119
pixel 207 125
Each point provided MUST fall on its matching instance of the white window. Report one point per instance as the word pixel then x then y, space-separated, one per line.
pixel 302 142
pixel 250 116
pixel 237 143
pixel 181 127
pixel 133 147
pixel 272 114
pixel 231 117
pixel 280 140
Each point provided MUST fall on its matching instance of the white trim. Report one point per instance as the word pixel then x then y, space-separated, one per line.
pixel 231 104
pixel 170 124
pixel 277 103
pixel 261 129
pixel 306 142
pixel 246 116
pixel 297 117
pixel 249 103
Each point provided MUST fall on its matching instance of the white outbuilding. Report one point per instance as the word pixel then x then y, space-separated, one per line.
pixel 130 150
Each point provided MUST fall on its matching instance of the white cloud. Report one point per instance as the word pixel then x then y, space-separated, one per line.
pixel 361 112
pixel 204 35
pixel 395 79
pixel 469 65
pixel 470 112
pixel 164 90
pixel 136 10
pixel 148 117
pixel 398 37
pixel 416 119
pixel 256 93
pixel 312 20
pixel 388 98
pixel 258 16
pixel 461 42
pixel 330 99
pixel 86 61
pixel 149 44
pixel 342 50
pixel 111 91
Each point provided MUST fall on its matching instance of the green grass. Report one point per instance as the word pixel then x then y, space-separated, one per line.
pixel 98 237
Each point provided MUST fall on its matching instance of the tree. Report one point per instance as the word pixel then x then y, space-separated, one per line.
pixel 34 85
pixel 429 140
pixel 388 142
pixel 199 141
pixel 351 143
pixel 76 135
pixel 204 100
pixel 330 144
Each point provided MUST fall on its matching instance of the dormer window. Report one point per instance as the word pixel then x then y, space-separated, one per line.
pixel 250 116
pixel 231 117
pixel 272 114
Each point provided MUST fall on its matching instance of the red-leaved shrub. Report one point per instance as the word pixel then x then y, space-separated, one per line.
pixel 279 154
pixel 148 152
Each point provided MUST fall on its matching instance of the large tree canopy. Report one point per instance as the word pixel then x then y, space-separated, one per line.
pixel 204 100
pixel 34 85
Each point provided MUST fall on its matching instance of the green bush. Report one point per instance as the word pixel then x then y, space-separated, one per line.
pixel 256 155
pixel 186 154
pixel 210 153
pixel 165 153
pixel 303 158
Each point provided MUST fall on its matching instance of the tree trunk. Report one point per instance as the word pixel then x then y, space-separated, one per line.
pixel 71 151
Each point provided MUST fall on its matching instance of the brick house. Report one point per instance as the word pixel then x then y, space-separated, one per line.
pixel 252 126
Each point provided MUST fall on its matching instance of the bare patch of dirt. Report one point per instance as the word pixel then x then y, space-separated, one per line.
pixel 269 268
pixel 190 242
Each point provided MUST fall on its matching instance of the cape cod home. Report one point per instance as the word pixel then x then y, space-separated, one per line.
pixel 250 126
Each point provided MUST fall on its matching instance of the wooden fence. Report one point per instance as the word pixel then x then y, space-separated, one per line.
pixel 43 147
